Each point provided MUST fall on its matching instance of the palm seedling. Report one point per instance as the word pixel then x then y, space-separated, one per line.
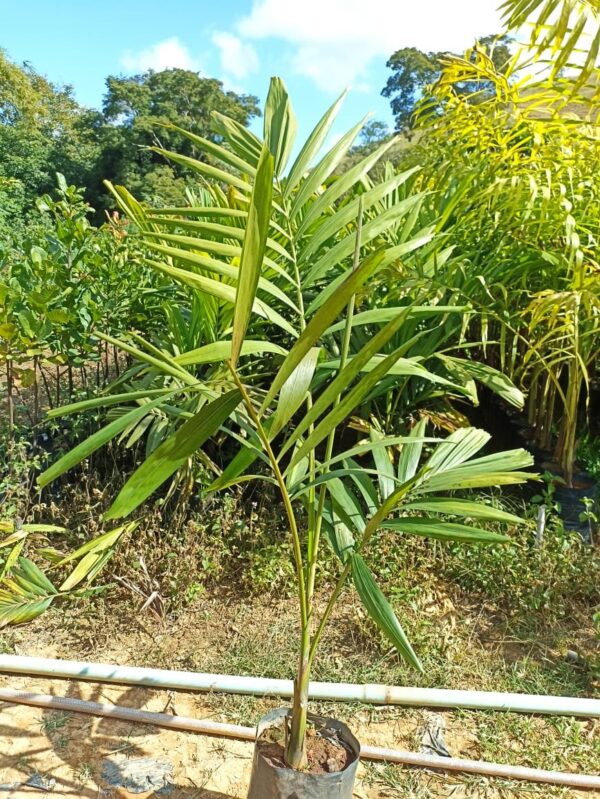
pixel 289 255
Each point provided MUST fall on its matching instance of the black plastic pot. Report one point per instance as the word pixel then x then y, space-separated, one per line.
pixel 572 504
pixel 273 782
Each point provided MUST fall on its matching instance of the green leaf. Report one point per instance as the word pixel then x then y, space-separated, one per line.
pixel 403 367
pixel 453 506
pixel 81 571
pixel 164 363
pixel 346 215
pixel 386 476
pixel 13 556
pixel 110 399
pixel 222 291
pixel 490 470
pixel 444 531
pixel 380 610
pixel 461 445
pixel 346 505
pixel 280 124
pixel 172 453
pixel 319 174
pixel 496 381
pixel 349 401
pixel 15 609
pixel 33 575
pixel 387 441
pixel 320 321
pixel 378 316
pixel 215 150
pixel 100 543
pixel 345 247
pixel 294 391
pixel 253 251
pixel 392 254
pixel 94 442
pixel 344 378
pixel 26 595
pixel 204 169
pixel 194 259
pixel 242 141
pixel 215 229
pixel 221 351
pixel 338 534
pixel 312 146
pixel 410 454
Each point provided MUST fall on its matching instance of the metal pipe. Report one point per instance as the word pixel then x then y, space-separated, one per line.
pixel 264 686
pixel 248 733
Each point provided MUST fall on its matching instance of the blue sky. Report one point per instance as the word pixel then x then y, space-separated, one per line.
pixel 317 46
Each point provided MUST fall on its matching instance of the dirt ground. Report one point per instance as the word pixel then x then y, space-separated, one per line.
pixel 71 750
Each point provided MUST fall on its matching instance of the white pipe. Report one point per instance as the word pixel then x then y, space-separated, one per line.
pixel 264 686
pixel 248 733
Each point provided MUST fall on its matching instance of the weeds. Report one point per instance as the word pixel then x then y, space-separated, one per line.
pixel 53 721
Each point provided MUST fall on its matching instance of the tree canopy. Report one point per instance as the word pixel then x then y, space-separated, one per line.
pixel 45 131
pixel 413 69
pixel 135 110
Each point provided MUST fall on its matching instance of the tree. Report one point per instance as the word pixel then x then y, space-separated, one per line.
pixel 43 130
pixel 135 113
pixel 412 70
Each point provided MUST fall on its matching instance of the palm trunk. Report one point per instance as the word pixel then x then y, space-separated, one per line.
pixel 546 440
pixel 567 441
pixel 295 754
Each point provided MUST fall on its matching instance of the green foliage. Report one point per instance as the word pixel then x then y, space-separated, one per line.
pixel 26 591
pixel 524 578
pixel 313 315
pixel 42 131
pixel 561 31
pixel 588 454
pixel 142 111
pixel 520 212
pixel 413 71
pixel 66 279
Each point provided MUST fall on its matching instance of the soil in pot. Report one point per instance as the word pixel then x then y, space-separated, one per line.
pixel 333 754
pixel 325 755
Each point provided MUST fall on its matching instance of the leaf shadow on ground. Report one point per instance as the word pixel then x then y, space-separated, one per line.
pixel 81 743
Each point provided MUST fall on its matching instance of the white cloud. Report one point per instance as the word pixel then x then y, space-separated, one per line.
pixel 167 54
pixel 238 58
pixel 334 41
